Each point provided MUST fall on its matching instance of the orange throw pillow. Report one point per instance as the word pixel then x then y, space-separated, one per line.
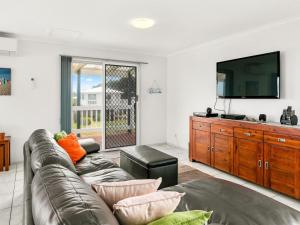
pixel 71 145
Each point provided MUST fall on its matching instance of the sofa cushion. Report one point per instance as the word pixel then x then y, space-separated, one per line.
pixel 233 204
pixel 60 198
pixel 106 175
pixel 45 151
pixel 141 210
pixel 193 217
pixel 113 192
pixel 93 162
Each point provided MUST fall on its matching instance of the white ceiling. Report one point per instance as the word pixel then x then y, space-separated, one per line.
pixel 179 23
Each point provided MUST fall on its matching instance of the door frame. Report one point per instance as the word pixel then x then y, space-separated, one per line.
pixel 138 103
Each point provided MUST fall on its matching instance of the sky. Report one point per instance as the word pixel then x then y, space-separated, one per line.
pixel 87 81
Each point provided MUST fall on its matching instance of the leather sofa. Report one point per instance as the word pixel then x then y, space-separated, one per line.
pixel 56 192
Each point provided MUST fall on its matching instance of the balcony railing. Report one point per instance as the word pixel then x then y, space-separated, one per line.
pixel 86 118
pixel 89 118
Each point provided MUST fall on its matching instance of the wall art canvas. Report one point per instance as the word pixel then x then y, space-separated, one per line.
pixel 5 81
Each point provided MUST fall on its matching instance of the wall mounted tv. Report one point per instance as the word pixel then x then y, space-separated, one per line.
pixel 250 77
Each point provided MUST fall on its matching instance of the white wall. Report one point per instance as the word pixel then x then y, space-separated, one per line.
pixel 28 109
pixel 191 77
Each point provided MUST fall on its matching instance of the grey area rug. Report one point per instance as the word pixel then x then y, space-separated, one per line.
pixel 185 173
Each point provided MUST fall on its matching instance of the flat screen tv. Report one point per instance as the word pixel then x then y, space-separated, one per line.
pixel 250 77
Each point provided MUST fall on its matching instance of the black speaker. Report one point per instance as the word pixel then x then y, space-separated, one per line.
pixel 288 117
pixel 209 111
pixel 294 120
pixel 262 117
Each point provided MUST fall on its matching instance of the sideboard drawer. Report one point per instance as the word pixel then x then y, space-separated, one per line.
pixel 283 140
pixel 221 129
pixel 201 126
pixel 250 134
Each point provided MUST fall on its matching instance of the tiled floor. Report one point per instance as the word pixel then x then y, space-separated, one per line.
pixel 182 156
pixel 11 195
pixel 11 186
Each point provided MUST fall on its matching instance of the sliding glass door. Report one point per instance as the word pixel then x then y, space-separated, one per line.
pixel 104 103
pixel 120 106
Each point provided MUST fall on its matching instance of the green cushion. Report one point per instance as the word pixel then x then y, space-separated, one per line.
pixel 59 135
pixel 194 217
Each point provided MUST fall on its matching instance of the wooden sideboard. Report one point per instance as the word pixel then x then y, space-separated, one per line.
pixel 262 153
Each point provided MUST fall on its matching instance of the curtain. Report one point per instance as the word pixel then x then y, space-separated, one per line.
pixel 65 113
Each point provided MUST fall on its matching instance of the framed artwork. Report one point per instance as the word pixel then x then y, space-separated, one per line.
pixel 5 81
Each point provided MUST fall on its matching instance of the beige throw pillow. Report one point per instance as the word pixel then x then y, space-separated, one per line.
pixel 113 192
pixel 144 209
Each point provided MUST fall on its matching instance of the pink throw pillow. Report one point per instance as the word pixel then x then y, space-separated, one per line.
pixel 144 209
pixel 113 192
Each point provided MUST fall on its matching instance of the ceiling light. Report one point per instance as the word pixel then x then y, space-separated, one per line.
pixel 142 23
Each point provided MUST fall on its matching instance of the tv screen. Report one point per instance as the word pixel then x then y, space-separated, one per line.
pixel 250 77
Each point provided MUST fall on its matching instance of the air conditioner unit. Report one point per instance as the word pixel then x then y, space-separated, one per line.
pixel 8 46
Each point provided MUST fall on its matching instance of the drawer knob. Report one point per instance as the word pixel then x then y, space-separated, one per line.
pixel 222 130
pixel 266 165
pixel 259 163
pixel 282 140
pixel 247 134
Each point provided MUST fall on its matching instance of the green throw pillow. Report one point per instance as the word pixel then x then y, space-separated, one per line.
pixel 60 135
pixel 194 217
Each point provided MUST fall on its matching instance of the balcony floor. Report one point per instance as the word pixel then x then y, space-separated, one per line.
pixel 125 139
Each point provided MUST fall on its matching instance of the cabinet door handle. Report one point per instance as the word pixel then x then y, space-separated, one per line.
pixel 282 140
pixel 259 163
pixel 212 148
pixel 222 130
pixel 266 165
pixel 247 134
pixel 208 148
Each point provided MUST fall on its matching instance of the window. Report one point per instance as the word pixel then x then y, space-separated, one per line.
pixel 92 99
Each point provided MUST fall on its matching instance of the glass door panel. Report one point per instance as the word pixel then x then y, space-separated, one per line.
pixel 87 100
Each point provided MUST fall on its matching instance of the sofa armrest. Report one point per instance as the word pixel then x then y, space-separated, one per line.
pixel 89 145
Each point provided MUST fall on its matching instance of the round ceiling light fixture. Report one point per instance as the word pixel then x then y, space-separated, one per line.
pixel 142 23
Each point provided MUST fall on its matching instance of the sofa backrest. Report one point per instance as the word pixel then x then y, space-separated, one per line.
pixel 61 197
pixel 45 150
